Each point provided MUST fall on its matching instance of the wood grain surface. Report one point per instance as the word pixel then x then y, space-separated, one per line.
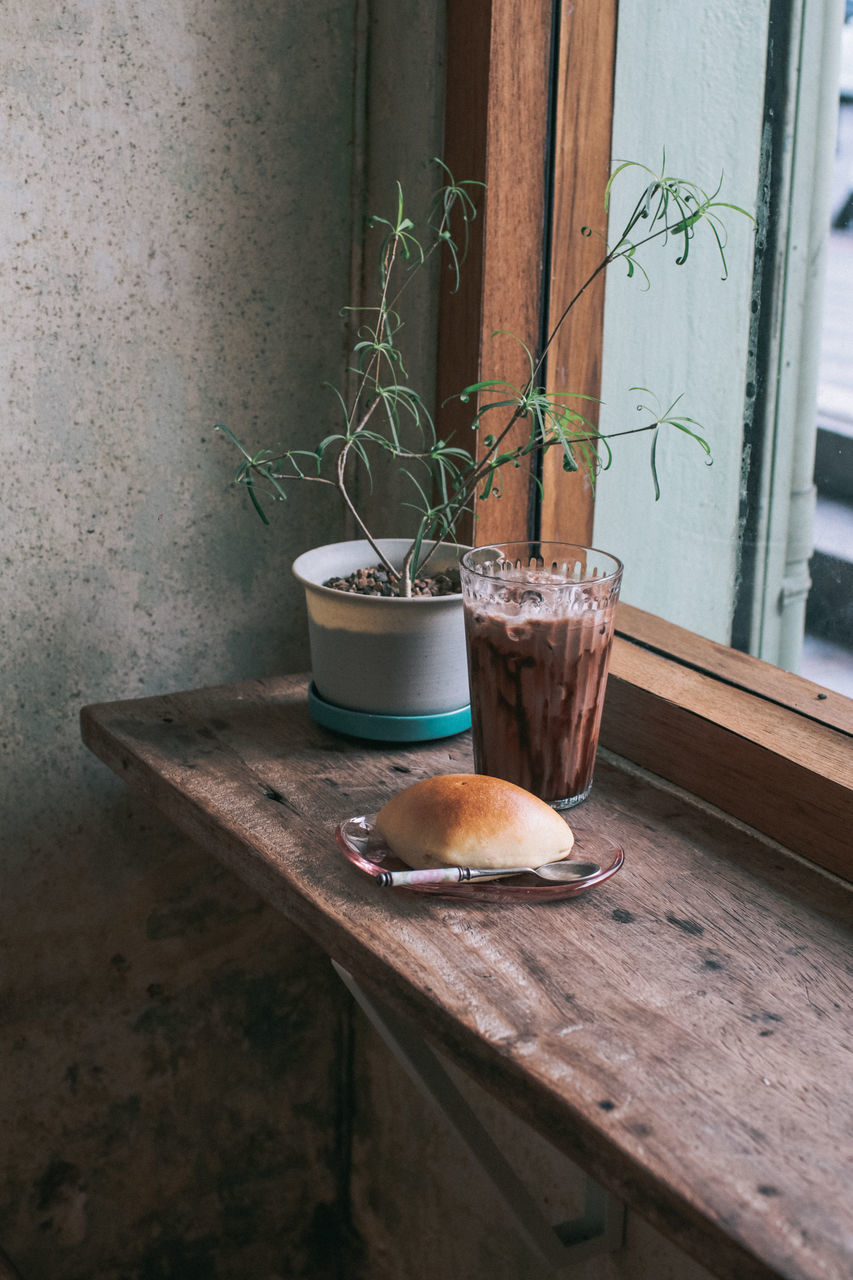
pixel 683 1032
pixel 766 746
pixel 584 110
pixel 496 132
pixel 741 670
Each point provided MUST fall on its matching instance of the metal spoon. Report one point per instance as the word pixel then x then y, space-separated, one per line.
pixel 559 872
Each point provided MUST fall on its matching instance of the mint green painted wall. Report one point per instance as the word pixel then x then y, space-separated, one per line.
pixel 689 80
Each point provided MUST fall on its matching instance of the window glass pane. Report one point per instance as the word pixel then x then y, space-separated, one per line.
pixel 828 648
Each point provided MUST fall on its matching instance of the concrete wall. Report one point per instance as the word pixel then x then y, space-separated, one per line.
pixel 175 221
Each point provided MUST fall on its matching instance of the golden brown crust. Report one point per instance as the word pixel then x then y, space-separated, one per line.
pixel 468 820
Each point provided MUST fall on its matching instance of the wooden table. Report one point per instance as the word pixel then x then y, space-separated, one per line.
pixel 683 1032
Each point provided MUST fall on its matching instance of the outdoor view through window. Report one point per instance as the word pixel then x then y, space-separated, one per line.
pixel 828 650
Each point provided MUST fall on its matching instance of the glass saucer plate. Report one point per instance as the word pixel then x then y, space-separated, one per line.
pixel 361 846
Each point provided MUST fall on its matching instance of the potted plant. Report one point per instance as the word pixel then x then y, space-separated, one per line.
pixel 369 601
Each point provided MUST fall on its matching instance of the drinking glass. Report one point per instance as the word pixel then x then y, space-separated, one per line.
pixel 539 620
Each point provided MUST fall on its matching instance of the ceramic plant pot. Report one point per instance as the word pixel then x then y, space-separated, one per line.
pixel 381 658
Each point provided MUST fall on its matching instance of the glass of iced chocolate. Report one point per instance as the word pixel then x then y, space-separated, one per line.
pixel 539 624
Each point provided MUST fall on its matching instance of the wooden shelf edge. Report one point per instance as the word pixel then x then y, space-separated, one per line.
pixel 746 771
pixel 741 670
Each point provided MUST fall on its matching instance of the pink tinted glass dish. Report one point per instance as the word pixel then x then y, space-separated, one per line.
pixel 364 849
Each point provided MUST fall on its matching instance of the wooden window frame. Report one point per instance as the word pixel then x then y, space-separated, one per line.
pixel 529 109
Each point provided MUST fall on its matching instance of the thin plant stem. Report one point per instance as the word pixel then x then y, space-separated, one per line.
pixel 674 206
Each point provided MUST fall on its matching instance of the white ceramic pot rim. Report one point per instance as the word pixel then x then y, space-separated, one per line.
pixel 314 566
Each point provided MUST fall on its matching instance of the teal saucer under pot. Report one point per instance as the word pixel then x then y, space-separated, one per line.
pixel 384 728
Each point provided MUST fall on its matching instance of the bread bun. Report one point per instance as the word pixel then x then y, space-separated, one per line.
pixel 468 820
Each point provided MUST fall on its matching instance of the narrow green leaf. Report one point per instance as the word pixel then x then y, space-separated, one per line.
pixel 250 486
pixel 678 423
pixel 653 460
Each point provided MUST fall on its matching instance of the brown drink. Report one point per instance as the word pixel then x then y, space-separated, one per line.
pixel 538 653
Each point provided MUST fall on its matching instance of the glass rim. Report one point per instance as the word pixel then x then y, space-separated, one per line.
pixel 466 561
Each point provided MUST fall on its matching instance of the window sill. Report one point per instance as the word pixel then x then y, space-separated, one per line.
pixel 763 745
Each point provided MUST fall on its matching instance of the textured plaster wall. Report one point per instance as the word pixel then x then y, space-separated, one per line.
pixel 174 221
pixel 401 123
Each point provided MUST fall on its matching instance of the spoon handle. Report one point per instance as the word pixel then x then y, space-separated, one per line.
pixel 459 875
pixel 435 875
